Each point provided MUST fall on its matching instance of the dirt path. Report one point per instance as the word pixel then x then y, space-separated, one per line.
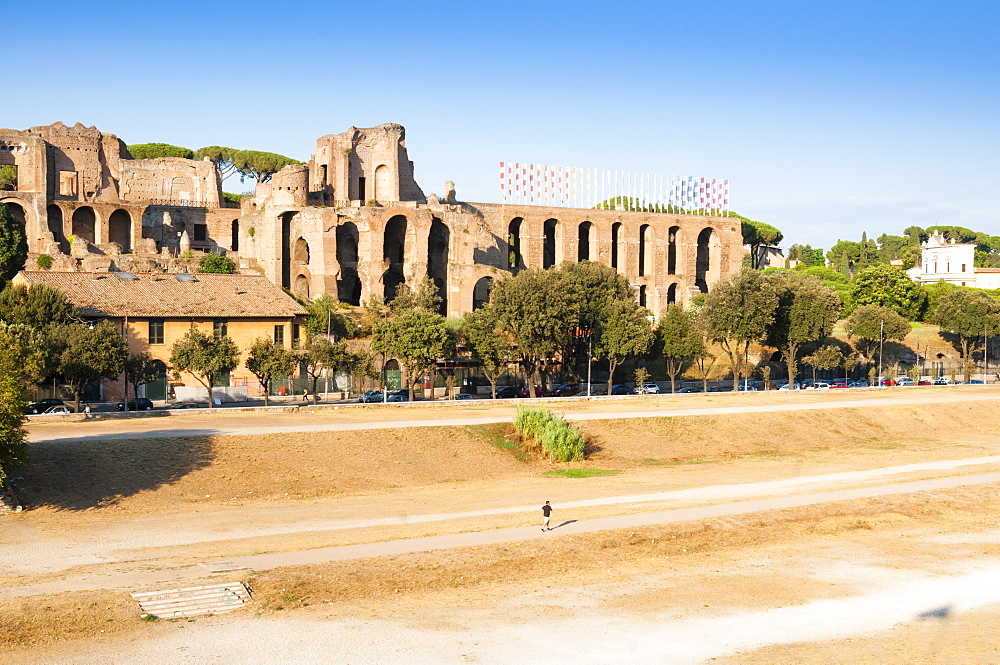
pixel 364 417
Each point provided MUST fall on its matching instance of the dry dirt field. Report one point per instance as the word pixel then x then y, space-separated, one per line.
pixel 672 593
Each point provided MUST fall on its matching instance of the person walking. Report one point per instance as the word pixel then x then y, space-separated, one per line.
pixel 546 512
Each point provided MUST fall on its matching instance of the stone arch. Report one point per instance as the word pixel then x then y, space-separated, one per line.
pixel 85 223
pixel 234 241
pixel 17 211
pixel 703 263
pixel 438 243
pixel 642 295
pixel 616 231
pixel 672 293
pixel 584 239
pixel 383 184
pixel 349 284
pixel 514 258
pixel 550 243
pixel 301 286
pixel 481 292
pixel 120 230
pixel 300 255
pixel 645 243
pixel 672 233
pixel 287 218
pixel 394 255
pixel 54 222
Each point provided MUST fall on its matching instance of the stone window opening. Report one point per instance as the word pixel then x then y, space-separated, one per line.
pixel 156 335
pixel 279 335
pixel 583 242
pixel 550 244
pixel 615 233
pixel 220 327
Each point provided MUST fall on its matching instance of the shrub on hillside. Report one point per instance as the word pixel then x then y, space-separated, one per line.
pixel 218 264
pixel 559 440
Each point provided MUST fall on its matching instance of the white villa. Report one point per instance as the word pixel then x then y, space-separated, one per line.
pixel 952 262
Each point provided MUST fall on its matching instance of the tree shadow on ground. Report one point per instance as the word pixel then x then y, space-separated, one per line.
pixel 101 473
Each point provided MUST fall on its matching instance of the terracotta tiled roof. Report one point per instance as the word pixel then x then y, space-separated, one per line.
pixel 986 269
pixel 168 295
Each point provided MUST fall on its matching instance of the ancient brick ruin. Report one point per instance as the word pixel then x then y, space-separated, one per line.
pixel 352 222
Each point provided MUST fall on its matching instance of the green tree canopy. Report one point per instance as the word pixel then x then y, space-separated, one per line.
pixel 15 369
pixel 248 163
pixel 13 245
pixel 679 340
pixel 220 265
pixel 970 315
pixel 204 356
pixel 140 369
pixel 805 313
pixel 827 356
pixel 8 177
pixel 417 338
pixel 154 150
pixel 424 296
pixel 737 313
pixel 324 318
pixel 756 235
pixel 625 331
pixel 872 325
pixel 489 343
pixel 90 354
pixel 269 361
pixel 38 307
pixel 889 287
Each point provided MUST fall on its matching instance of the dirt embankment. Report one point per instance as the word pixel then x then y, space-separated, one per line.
pixel 151 475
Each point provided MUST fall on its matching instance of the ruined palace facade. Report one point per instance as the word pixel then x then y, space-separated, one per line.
pixel 352 222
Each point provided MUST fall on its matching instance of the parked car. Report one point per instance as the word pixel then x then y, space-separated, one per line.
pixel 465 396
pixel 859 383
pixel 942 381
pixel 719 389
pixel 135 404
pixel 43 405
pixel 839 384
pixel 507 392
pixel 620 389
pixel 567 390
pixel 648 388
pixel 371 396
pixel 820 385
pixel 790 386
pixel 925 382
pixel 905 381
pixel 974 382
pixel 398 396
pixel 539 392
pixel 59 408
pixel 885 382
pixel 689 389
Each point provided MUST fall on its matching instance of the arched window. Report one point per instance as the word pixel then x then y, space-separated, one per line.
pixel 120 230
pixel 672 294
pixel 287 219
pixel 394 254
pixel 644 243
pixel 438 241
pixel 550 245
pixel 481 292
pixel 642 295
pixel 672 249
pixel 583 242
pixel 514 258
pixel 349 284
pixel 234 243
pixel 703 263
pixel 84 223
pixel 616 230
pixel 383 184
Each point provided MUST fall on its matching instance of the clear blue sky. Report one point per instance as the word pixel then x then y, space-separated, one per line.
pixel 829 118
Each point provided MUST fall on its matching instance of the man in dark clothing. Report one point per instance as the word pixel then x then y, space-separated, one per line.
pixel 546 511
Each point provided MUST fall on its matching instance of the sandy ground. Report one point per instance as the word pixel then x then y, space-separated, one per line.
pixel 856 573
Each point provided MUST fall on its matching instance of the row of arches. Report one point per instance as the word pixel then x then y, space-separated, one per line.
pixel 83 223
pixel 586 243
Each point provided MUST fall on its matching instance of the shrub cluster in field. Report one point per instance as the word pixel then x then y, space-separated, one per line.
pixel 559 440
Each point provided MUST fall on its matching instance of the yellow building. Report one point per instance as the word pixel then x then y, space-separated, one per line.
pixel 154 310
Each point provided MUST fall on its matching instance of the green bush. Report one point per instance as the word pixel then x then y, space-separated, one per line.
pixel 44 261
pixel 222 265
pixel 232 198
pixel 559 440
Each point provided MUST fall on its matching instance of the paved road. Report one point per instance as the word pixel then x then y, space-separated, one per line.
pixel 166 427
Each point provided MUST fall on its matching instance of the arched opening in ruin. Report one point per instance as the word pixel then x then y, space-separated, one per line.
pixel 672 294
pixel 583 242
pixel 286 248
pixel 672 249
pixel 394 254
pixel 644 245
pixel 54 222
pixel 16 211
pixel 616 230
pixel 642 295
pixel 383 184
pixel 301 286
pixel 514 258
pixel 84 223
pixel 234 242
pixel 349 284
pixel 120 230
pixel 550 243
pixel 703 263
pixel 301 253
pixel 438 241
pixel 481 292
